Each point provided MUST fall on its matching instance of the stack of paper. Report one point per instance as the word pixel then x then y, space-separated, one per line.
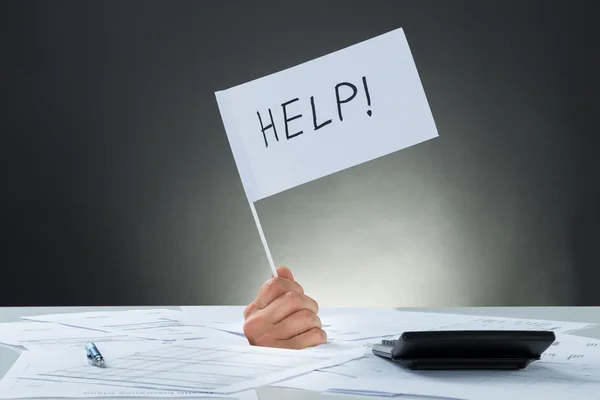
pixel 171 353
pixel 362 324
pixel 159 324
pixel 149 353
pixel 227 319
pixel 570 369
pixel 166 369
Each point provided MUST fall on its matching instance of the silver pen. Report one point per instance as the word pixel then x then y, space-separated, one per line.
pixel 93 355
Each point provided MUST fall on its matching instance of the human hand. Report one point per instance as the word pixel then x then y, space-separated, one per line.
pixel 283 316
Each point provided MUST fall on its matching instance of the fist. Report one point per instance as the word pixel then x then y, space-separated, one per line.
pixel 283 316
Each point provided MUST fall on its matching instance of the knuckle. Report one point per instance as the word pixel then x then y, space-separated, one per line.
pixel 252 325
pixel 273 286
pixel 294 299
pixel 277 283
pixel 317 321
pixel 309 317
pixel 313 303
pixel 249 309
pixel 270 290
pixel 248 331
pixel 267 286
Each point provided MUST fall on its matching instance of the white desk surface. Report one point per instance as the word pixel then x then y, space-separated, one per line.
pixel 574 314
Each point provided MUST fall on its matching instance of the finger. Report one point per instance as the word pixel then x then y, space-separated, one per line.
pixel 311 338
pixel 288 304
pixel 284 272
pixel 262 321
pixel 296 324
pixel 274 288
pixel 249 310
pixel 256 329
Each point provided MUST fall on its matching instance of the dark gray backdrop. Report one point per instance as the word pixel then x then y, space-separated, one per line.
pixel 119 187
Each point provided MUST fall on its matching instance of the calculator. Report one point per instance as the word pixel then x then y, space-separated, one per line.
pixel 466 350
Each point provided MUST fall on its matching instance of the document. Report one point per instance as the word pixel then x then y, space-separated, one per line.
pixel 567 378
pixel 44 336
pixel 26 380
pixel 547 389
pixel 338 111
pixel 154 324
pixel 573 350
pixel 361 326
pixel 225 318
pixel 383 377
pixel 317 381
pixel 208 314
pixel 193 370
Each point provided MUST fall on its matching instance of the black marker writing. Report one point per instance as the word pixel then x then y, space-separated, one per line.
pixel 342 96
pixel 346 100
pixel 364 79
pixel 264 128
pixel 286 119
pixel 314 114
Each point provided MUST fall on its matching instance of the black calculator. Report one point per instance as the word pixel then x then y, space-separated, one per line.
pixel 466 350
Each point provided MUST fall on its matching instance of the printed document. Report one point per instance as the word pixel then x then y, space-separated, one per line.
pixel 172 367
pixel 157 324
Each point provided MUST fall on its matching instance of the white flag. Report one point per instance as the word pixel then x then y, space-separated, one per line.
pixel 326 115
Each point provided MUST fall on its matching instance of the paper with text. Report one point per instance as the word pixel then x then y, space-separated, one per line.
pixel 544 388
pixel 326 115
pixel 156 324
pixel 225 318
pixel 191 369
pixel 26 380
pixel 374 324
pixel 573 350
pixel 538 381
pixel 45 335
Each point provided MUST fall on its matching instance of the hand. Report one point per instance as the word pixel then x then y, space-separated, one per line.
pixel 283 316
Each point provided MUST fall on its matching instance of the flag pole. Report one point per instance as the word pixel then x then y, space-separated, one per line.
pixel 262 238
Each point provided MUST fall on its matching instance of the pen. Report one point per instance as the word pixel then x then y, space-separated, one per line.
pixel 93 355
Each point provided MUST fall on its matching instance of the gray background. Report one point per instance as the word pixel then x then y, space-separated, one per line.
pixel 119 186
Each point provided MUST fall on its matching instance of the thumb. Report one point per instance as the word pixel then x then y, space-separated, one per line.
pixel 284 273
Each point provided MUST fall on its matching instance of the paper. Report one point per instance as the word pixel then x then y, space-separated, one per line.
pixel 362 326
pixel 217 370
pixel 43 335
pixel 25 378
pixel 160 324
pixel 326 115
pixel 224 318
pixel 171 353
pixel 28 383
pixel 573 350
pixel 567 378
pixel 436 389
pixel 317 381
pixel 374 374
pixel 214 314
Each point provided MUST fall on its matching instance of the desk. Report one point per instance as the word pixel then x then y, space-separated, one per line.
pixel 573 314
